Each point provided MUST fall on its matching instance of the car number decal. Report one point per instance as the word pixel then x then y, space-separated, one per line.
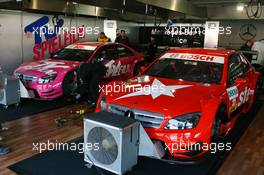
pixel 232 92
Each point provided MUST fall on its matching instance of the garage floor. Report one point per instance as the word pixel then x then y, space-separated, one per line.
pixel 246 158
pixel 248 155
pixel 36 129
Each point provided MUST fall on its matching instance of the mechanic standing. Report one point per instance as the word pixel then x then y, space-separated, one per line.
pixel 103 38
pixel 122 38
pixel 91 75
pixel 152 50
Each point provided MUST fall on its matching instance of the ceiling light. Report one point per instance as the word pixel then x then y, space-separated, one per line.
pixel 240 7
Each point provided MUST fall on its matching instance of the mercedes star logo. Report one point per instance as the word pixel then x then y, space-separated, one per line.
pixel 247 32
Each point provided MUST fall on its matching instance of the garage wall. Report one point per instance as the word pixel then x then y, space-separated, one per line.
pixel 10 41
pixel 16 47
pixel 132 30
pixel 234 41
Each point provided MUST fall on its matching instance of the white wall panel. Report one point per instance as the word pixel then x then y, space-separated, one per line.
pixel 10 40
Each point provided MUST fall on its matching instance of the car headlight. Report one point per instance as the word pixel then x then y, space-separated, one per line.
pixel 47 78
pixel 103 104
pixel 187 121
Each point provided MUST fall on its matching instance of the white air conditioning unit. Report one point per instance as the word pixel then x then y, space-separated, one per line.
pixel 117 139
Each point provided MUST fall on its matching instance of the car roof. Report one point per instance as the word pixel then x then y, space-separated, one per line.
pixel 205 51
pixel 94 44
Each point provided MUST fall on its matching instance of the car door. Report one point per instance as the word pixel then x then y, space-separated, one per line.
pixel 114 66
pixel 238 84
pixel 109 55
pixel 126 60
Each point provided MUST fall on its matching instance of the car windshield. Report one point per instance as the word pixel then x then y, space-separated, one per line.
pixel 72 54
pixel 188 70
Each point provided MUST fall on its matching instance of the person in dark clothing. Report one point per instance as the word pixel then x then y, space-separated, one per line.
pixel 122 38
pixel 247 47
pixel 91 75
pixel 152 50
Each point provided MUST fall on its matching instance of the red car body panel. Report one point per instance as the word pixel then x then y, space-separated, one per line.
pixel 194 97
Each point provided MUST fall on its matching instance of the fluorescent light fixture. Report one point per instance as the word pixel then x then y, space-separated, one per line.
pixel 240 7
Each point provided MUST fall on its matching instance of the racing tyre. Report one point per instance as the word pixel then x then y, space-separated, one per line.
pixel 215 132
pixel 70 84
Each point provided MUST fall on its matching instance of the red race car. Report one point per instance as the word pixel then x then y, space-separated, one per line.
pixel 54 77
pixel 186 99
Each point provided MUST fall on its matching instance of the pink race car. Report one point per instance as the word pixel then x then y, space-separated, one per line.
pixel 56 76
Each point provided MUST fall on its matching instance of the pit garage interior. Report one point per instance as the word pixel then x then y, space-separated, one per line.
pixel 61 115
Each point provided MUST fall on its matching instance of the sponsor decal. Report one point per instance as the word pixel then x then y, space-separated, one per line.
pixel 78 46
pixel 194 57
pixel 50 39
pixel 46 67
pixel 39 25
pixel 116 69
pixel 244 96
pixel 155 90
pixel 238 99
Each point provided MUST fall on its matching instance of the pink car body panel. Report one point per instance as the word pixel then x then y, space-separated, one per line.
pixel 121 68
pixel 41 68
